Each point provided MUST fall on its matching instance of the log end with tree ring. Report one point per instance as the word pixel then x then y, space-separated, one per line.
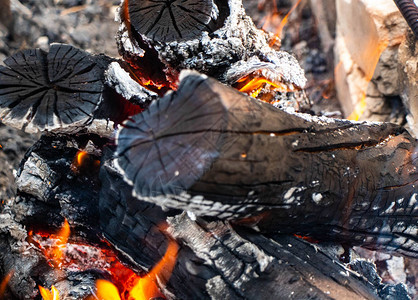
pixel 168 147
pixel 57 91
pixel 173 20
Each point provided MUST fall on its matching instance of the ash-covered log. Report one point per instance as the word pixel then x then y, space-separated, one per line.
pixel 215 37
pixel 209 149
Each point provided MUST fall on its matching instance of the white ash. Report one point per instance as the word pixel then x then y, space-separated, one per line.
pixel 121 81
pixel 317 198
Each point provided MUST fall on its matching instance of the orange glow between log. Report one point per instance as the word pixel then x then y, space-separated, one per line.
pixel 84 162
pixel 81 156
pixel 49 294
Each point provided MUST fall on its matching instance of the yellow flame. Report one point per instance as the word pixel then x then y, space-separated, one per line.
pixel 49 294
pixel 56 252
pixel 255 85
pixel 359 109
pixel 81 155
pixel 146 287
pixel 106 290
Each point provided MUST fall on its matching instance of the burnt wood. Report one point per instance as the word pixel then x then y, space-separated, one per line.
pixel 214 260
pixel 170 20
pixel 218 261
pixel 209 149
pixel 55 91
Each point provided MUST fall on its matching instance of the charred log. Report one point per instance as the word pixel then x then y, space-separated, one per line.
pixel 210 150
pixel 229 49
pixel 55 91
pixel 172 20
pixel 218 261
pixel 68 91
pixel 214 259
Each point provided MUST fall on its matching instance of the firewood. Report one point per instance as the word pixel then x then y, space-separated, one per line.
pixel 219 261
pixel 57 91
pixel 172 20
pixel 208 149
pixel 214 37
pixel 215 259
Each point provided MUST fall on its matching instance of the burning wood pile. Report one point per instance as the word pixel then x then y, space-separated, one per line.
pixel 191 169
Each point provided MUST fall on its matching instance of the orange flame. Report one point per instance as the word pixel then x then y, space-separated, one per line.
pixel 254 86
pixel 4 283
pixel 282 24
pixel 84 162
pixel 57 251
pixel 146 287
pixel 54 254
pixel 106 290
pixel 81 156
pixel 373 54
pixel 49 294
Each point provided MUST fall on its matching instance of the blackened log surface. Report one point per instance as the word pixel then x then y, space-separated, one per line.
pixel 220 154
pixel 132 227
pixel 55 91
pixel 251 266
pixel 170 20
pixel 49 183
pixel 215 261
pixel 123 218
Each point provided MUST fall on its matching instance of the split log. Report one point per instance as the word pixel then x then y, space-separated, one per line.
pixel 208 149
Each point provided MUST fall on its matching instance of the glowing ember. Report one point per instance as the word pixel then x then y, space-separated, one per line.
pixel 124 283
pixel 142 288
pixel 49 294
pixel 4 283
pixel 54 252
